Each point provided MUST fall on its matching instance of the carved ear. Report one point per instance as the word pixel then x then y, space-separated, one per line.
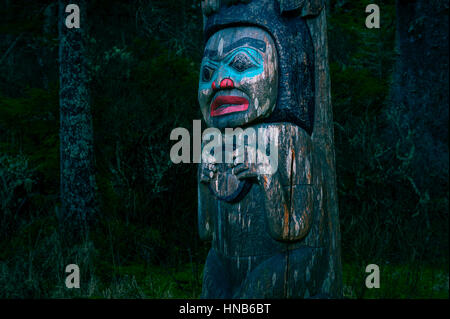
pixel 308 8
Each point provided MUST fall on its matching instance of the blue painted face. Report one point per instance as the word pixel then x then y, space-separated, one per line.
pixel 238 64
pixel 238 78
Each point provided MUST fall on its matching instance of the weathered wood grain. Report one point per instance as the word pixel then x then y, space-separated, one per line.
pixel 280 239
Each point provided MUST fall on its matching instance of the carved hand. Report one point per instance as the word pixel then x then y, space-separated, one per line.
pixel 259 168
pixel 207 201
pixel 207 172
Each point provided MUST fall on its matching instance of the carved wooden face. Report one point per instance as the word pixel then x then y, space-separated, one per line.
pixel 238 77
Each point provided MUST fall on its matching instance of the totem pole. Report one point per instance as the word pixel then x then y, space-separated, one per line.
pixel 274 233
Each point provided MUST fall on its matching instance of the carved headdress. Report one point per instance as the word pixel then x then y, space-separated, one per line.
pixel 282 20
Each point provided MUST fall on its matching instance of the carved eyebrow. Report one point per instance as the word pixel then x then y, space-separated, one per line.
pixel 255 43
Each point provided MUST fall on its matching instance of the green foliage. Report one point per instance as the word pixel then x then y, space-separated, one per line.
pixel 144 60
pixel 384 215
pixel 152 90
pixel 16 183
pixel 29 126
pixel 33 261
pixel 404 281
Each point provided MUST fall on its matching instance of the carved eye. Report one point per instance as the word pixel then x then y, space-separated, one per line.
pixel 207 73
pixel 241 62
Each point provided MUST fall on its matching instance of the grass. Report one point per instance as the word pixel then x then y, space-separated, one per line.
pixel 397 282
pixel 24 278
pixel 33 261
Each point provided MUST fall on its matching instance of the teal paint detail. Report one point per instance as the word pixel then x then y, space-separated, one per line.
pixel 225 68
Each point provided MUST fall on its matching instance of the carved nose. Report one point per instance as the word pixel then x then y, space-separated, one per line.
pixel 224 84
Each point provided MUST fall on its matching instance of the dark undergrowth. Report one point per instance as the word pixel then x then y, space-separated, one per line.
pixel 393 208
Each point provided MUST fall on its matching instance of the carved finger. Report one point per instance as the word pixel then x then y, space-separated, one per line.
pixel 206 176
pixel 246 174
pixel 239 168
pixel 238 159
pixel 204 179
pixel 208 159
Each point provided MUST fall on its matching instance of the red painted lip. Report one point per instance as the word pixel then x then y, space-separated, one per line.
pixel 236 104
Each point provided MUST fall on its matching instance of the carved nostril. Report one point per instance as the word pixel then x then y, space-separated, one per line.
pixel 226 84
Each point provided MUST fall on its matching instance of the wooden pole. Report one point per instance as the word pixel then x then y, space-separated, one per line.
pixel 274 233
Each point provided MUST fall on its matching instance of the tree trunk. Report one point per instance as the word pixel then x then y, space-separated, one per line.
pixel 420 88
pixel 78 200
pixel 49 26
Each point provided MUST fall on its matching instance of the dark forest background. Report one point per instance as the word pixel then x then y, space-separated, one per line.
pixel 390 109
